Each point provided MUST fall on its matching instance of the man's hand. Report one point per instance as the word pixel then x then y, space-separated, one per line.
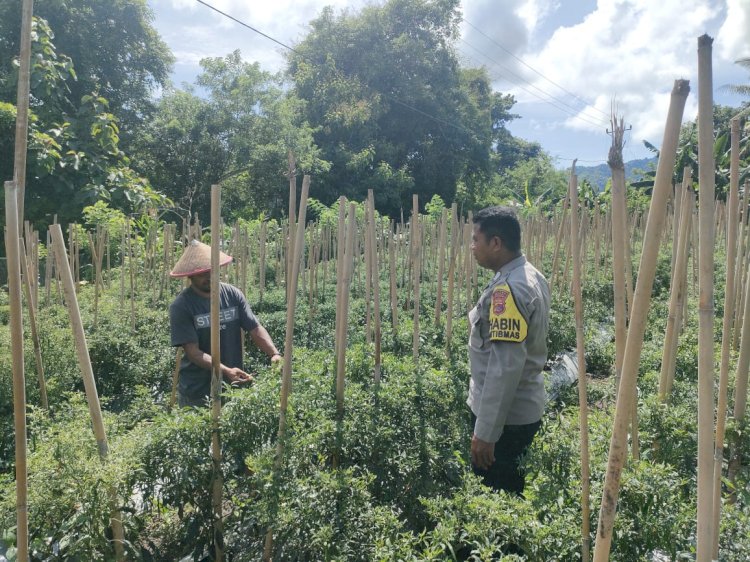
pixel 275 358
pixel 237 376
pixel 482 453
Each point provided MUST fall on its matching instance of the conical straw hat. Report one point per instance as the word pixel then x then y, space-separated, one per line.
pixel 197 259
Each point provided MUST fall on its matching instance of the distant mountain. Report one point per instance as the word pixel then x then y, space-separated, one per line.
pixel 598 175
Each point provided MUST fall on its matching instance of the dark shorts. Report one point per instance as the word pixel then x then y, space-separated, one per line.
pixel 506 472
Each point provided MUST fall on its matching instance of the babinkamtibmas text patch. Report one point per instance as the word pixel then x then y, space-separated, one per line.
pixel 506 321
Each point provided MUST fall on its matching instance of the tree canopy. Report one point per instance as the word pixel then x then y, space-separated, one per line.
pixel 391 107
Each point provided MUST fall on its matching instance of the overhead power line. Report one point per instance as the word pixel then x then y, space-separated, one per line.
pixel 549 98
pixel 475 28
pixel 392 98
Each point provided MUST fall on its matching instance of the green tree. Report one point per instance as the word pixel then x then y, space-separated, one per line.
pixel 74 155
pixel 391 107
pixel 546 185
pixel 117 51
pixel 239 134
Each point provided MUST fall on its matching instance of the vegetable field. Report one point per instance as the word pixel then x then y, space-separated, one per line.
pixel 379 472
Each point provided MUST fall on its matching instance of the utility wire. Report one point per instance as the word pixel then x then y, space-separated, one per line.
pixel 555 102
pixel 393 99
pixel 475 28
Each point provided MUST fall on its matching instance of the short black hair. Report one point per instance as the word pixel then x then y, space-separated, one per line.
pixel 501 222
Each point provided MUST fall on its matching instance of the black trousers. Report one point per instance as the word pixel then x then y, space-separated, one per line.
pixel 506 473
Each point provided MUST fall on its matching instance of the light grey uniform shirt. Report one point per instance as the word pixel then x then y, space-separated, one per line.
pixel 507 385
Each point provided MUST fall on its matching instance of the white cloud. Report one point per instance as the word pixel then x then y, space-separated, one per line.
pixel 733 41
pixel 632 50
pixel 629 49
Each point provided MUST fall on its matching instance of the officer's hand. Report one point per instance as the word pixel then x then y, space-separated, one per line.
pixel 237 376
pixel 276 358
pixel 482 453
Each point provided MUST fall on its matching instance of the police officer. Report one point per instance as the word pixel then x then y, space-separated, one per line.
pixel 507 352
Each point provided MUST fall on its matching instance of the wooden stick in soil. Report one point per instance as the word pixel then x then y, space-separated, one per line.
pixel 678 289
pixel 740 270
pixel 726 334
pixel 705 300
pixel 12 251
pixel 34 332
pixel 175 378
pixel 740 388
pixel 217 478
pixel 415 260
pixel 619 233
pixel 392 267
pixel 451 279
pixel 286 378
pixel 638 319
pixel 368 270
pixel 580 352
pixel 87 372
pixel 375 272
pixel 22 111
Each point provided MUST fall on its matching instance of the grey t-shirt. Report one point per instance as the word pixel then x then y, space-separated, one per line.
pixel 190 321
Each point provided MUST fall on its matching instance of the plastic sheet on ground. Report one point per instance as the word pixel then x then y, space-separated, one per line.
pixel 564 373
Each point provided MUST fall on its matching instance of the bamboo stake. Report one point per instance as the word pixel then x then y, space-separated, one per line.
pixel 12 251
pixel 392 243
pixel 619 229
pixel 740 388
pixel 678 289
pixel 451 279
pixel 368 271
pixel 705 300
pixel 726 334
pixel 580 352
pixel 341 269
pixel 175 378
pixel 217 478
pixel 558 240
pixel 22 112
pixel 87 372
pixel 441 267
pixel 34 332
pixel 638 318
pixel 296 247
pixel 416 269
pixel 740 270
pixel 375 272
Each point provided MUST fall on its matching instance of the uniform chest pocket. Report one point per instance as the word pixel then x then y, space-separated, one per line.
pixel 476 341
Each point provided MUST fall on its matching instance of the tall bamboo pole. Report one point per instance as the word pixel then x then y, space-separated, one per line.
pixel 678 290
pixel 451 278
pixel 217 478
pixel 740 270
pixel 416 269
pixel 705 300
pixel 87 372
pixel 22 109
pixel 619 234
pixel 12 251
pixel 392 243
pixel 296 247
pixel 580 352
pixel 726 334
pixel 441 267
pixel 375 272
pixel 740 387
pixel 34 332
pixel 638 319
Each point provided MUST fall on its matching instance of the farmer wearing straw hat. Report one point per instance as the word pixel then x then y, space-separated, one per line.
pixel 507 352
pixel 190 321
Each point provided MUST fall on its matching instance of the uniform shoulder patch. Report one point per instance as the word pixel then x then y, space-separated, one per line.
pixel 506 321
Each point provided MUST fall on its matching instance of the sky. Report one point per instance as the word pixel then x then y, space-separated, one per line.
pixel 565 61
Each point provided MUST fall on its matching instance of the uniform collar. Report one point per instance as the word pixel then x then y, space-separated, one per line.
pixel 510 266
